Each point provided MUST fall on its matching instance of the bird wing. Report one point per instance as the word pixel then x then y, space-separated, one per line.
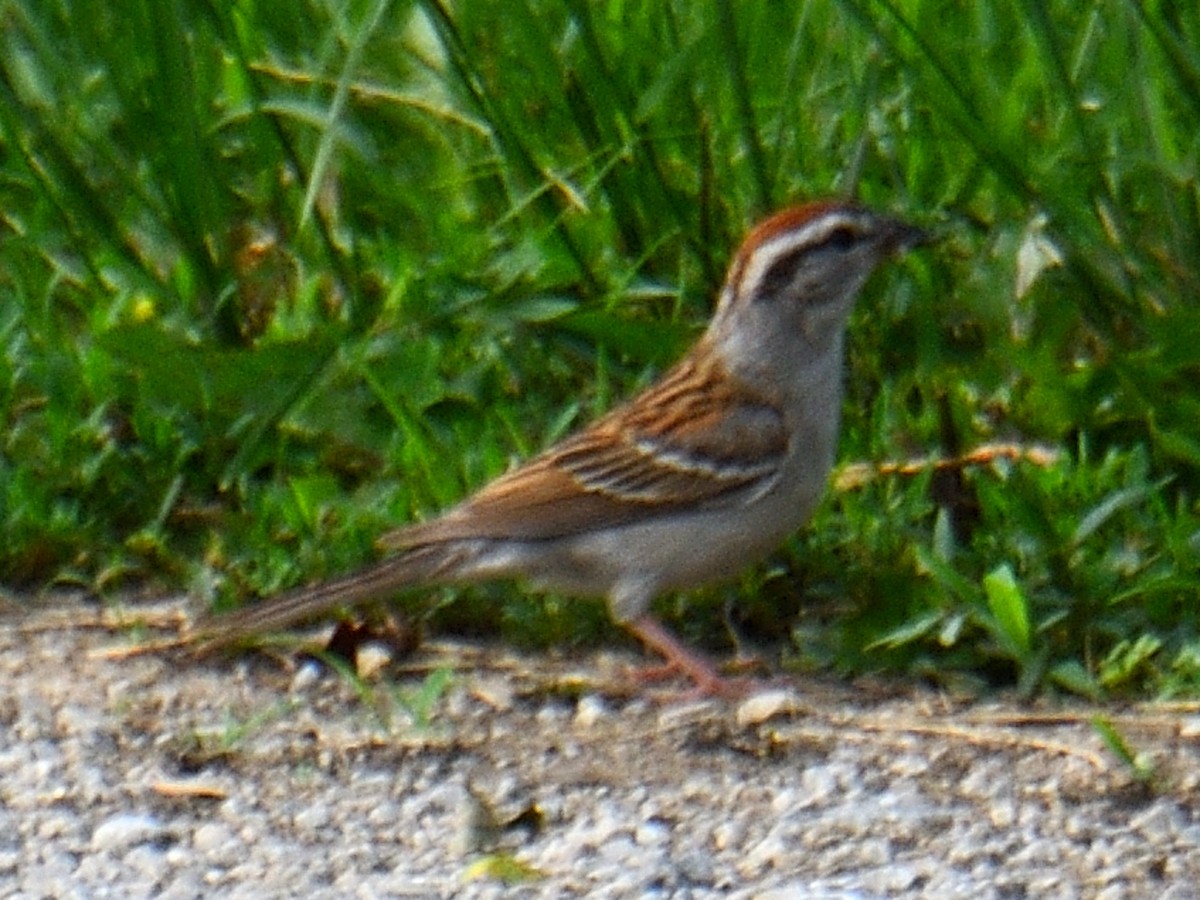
pixel 695 439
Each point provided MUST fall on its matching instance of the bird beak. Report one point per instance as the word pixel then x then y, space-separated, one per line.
pixel 900 236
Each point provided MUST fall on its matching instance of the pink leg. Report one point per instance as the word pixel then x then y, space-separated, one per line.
pixel 705 675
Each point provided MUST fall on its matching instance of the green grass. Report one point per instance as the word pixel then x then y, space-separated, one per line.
pixel 274 279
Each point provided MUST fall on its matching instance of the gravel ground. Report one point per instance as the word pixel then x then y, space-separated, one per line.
pixel 148 775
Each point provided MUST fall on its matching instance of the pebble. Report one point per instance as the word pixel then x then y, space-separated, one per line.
pixel 124 830
pixel 212 837
pixel 651 834
pixel 766 705
pixel 590 710
pixel 602 797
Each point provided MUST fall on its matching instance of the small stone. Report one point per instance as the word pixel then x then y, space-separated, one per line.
pixel 651 834
pixel 306 676
pixel 820 785
pixel 784 801
pixel 1002 813
pixel 372 659
pixel 125 830
pixel 590 710
pixel 766 705
pixel 312 818
pixel 771 852
pixel 728 834
pixel 496 692
pixel 211 837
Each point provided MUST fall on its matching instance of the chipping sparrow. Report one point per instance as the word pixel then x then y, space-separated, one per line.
pixel 702 474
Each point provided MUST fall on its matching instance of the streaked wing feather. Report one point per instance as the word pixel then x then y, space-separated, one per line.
pixel 694 439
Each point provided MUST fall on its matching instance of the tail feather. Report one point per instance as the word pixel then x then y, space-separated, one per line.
pixel 425 565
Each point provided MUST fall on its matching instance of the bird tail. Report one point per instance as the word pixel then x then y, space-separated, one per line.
pixel 422 565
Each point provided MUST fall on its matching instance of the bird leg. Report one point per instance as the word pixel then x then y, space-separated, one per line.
pixel 708 681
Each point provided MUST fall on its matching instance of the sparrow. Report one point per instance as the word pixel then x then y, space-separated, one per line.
pixel 690 482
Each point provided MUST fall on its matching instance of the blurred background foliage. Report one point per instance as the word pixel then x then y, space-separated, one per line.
pixel 277 277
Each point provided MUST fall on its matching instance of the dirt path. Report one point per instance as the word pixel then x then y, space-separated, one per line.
pixel 148 776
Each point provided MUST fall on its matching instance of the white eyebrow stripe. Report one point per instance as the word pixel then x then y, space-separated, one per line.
pixel 769 252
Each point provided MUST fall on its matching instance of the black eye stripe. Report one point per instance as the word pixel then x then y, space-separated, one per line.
pixel 779 276
pixel 841 238
pixel 781 272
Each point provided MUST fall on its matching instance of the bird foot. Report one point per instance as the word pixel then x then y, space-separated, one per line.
pixel 707 681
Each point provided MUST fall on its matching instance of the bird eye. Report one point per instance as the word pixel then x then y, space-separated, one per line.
pixel 842 238
pixel 779 276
